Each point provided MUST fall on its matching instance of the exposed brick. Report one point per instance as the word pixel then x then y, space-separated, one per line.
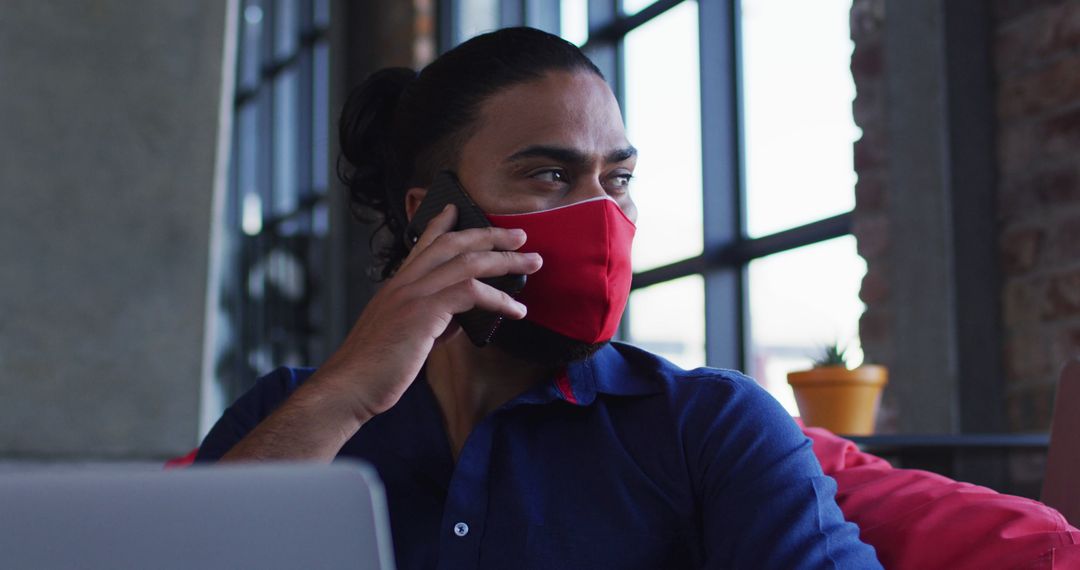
pixel 1037 36
pixel 870 193
pixel 1018 144
pixel 1065 241
pixel 1020 249
pixel 1042 90
pixel 1057 185
pixel 870 151
pixel 868 58
pixel 1059 136
pixel 1062 296
pixel 874 326
pixel 1066 343
pixel 867 19
pixel 1049 185
pixel 871 164
pixel 1021 37
pixel 1067 32
pixel 868 107
pixel 875 285
pixel 1031 407
pixel 1014 197
pixel 1005 10
pixel 872 235
pixel 1027 355
pixel 1023 301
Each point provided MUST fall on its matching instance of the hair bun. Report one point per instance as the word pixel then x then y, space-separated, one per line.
pixel 365 135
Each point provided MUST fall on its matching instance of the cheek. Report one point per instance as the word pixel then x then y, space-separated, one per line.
pixel 628 208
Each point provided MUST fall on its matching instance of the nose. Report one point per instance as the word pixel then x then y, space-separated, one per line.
pixel 587 188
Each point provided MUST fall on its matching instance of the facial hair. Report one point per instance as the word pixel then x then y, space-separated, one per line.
pixel 531 342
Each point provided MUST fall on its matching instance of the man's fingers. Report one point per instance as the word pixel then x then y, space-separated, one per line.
pixel 449 245
pixel 473 294
pixel 442 222
pixel 478 265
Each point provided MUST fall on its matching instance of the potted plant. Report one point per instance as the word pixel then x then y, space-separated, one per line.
pixel 840 399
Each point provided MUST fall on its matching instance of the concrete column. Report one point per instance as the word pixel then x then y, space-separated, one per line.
pixel 109 127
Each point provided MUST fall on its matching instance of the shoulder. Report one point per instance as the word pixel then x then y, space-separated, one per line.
pixel 717 412
pixel 268 392
pixel 703 387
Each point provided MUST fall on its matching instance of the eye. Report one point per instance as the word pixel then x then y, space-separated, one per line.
pixel 554 175
pixel 619 183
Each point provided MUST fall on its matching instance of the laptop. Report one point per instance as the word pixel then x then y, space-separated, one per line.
pixel 249 516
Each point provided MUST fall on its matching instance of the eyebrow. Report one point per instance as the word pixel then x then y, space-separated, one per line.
pixel 568 155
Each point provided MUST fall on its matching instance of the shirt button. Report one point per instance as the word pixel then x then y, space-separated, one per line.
pixel 461 529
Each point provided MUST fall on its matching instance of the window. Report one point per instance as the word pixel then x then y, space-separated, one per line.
pixel 798 134
pixel 742 113
pixel 275 216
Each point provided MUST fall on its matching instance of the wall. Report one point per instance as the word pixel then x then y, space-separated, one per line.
pixel 1037 49
pixel 108 132
pixel 871 215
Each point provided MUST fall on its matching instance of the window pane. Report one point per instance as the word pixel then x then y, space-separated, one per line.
pixel 799 129
pixel 250 39
pixel 320 117
pixel 630 7
pixel 574 20
pixel 286 28
pixel 321 17
pixel 800 301
pixel 663 120
pixel 669 319
pixel 476 17
pixel 285 180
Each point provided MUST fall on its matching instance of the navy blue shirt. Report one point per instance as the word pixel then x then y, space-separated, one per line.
pixel 626 461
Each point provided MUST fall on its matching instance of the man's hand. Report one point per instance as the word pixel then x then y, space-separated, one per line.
pixel 389 343
pixel 440 278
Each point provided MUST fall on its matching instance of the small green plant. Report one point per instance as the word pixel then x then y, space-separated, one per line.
pixel 831 355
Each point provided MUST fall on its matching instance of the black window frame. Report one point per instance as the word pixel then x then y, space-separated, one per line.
pixel 280 325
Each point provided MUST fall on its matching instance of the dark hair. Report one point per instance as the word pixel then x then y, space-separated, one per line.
pixel 399 128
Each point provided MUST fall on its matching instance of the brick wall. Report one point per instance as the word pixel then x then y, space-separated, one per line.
pixel 871 220
pixel 1037 62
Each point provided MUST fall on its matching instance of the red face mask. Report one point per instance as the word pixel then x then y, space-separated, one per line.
pixel 582 288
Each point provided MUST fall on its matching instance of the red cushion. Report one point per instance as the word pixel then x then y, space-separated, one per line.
pixel 920 520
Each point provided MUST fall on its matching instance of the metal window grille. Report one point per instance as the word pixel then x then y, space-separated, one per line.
pixel 272 285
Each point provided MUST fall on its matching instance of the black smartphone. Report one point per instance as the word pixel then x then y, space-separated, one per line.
pixel 479 325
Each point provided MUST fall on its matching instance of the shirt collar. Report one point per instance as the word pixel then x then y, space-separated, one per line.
pixel 609 370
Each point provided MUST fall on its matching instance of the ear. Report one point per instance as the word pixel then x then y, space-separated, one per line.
pixel 413 197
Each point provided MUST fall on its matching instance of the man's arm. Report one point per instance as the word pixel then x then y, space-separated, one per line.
pixel 765 501
pixel 312 424
pixel 389 343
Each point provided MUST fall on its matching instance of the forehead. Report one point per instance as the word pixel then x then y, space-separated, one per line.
pixel 572 109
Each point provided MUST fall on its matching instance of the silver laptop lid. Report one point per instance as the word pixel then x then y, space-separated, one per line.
pixel 253 516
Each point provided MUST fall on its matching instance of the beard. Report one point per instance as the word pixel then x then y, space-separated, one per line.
pixel 531 342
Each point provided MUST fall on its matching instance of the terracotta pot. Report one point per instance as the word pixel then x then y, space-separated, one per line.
pixel 840 400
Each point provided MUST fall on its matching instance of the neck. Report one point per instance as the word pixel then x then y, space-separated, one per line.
pixel 470 382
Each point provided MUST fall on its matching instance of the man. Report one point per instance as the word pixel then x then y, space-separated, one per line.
pixel 550 447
